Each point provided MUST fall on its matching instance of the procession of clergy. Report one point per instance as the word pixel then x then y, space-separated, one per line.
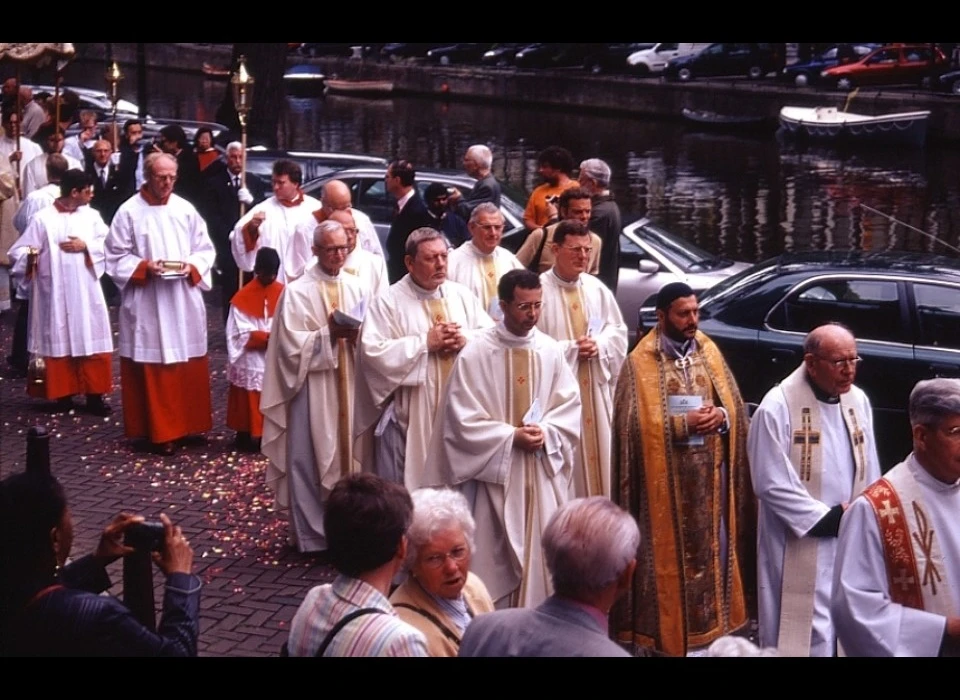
pixel 473 372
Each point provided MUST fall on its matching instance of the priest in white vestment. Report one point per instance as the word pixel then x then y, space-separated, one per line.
pixel 506 434
pixel 335 196
pixel 34 175
pixel 410 338
pixel 479 263
pixel 369 268
pixel 581 313
pixel 896 586
pixel 160 256
pixel 69 325
pixel 276 223
pixel 811 450
pixel 307 398
pixel 28 150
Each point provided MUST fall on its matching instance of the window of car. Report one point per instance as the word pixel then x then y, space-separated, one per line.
pixel 938 314
pixel 884 56
pixel 870 308
pixel 666 47
pixel 370 196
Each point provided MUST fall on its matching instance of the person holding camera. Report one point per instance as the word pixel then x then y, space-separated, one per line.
pixel 51 608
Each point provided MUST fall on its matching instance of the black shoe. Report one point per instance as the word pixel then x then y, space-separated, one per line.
pixel 165 448
pixel 63 405
pixel 97 406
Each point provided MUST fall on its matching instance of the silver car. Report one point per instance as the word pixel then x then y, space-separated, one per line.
pixel 649 256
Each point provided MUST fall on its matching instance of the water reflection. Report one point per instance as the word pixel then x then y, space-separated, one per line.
pixel 740 196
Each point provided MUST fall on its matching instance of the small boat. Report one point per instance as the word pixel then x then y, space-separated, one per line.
pixel 727 122
pixel 358 87
pixel 830 124
pixel 303 79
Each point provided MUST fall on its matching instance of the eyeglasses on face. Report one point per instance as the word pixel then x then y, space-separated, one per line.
pixel 581 249
pixel 435 561
pixel 841 362
pixel 334 249
pixel 526 306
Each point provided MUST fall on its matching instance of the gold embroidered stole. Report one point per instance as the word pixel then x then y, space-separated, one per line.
pixel 916 571
pixel 590 481
pixel 437 313
pixel 800 556
pixel 331 298
pixel 488 269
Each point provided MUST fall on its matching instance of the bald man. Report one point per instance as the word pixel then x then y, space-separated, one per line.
pixel 369 268
pixel 336 196
pixel 811 450
pixel 33 114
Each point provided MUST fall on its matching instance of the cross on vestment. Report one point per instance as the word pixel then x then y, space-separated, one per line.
pixel 889 513
pixel 903 580
pixel 858 443
pixel 807 437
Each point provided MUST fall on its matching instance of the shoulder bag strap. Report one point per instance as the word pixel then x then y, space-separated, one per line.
pixel 446 631
pixel 535 263
pixel 343 621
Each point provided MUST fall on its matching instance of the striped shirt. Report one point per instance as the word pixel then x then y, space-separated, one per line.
pixel 368 635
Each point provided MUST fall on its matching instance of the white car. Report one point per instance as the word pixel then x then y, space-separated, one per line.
pixel 654 60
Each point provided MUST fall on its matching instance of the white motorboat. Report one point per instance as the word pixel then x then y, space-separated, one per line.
pixel 831 124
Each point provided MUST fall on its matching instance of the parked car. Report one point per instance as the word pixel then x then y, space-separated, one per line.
pixel 397 52
pixel 653 59
pixel 458 53
pixel 502 54
pixel 343 50
pixel 98 101
pixel 804 73
pixel 315 164
pixel 890 65
pixel 611 58
pixel 948 82
pixel 728 59
pixel 903 308
pixel 595 57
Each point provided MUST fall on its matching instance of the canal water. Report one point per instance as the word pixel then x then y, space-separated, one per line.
pixel 744 196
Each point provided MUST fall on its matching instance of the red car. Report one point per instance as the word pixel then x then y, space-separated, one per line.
pixel 891 65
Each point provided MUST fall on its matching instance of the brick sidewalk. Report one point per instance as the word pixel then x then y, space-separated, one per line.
pixel 253 580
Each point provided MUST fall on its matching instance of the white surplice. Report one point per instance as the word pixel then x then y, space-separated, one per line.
pixel 786 506
pixel 35 173
pixel 287 229
pixel 396 374
pixel 69 314
pixel 868 622
pixel 605 322
pixel 165 320
pixel 245 366
pixel 28 151
pixel 468 266
pixel 514 492
pixel 300 401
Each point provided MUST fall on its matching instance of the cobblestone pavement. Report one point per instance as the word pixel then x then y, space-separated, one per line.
pixel 253 580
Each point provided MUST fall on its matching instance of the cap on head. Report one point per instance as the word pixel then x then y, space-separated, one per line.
pixel 671 292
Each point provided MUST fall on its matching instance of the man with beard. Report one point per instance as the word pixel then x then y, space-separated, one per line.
pixel 680 466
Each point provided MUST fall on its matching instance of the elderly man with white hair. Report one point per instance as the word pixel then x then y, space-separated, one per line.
pixel 896 585
pixel 605 218
pixel 477 161
pixel 591 547
pixel 441 595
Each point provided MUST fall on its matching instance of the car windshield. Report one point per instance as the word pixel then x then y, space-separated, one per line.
pixel 683 254
pixel 733 286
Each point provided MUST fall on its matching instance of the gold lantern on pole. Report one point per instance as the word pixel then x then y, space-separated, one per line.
pixel 241 83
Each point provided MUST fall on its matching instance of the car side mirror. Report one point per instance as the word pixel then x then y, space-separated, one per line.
pixel 648 267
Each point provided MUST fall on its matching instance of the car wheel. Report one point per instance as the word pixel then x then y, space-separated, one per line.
pixel 844 84
pixel 755 73
pixel 444 60
pixel 801 80
pixel 684 74
pixel 955 87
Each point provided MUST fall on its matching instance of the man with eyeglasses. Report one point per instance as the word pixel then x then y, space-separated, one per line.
pixel 679 466
pixel 506 434
pixel 480 262
pixel 812 450
pixel 536 252
pixel 336 197
pixel 369 268
pixel 307 397
pixel 582 315
pixel 896 586
pixel 411 337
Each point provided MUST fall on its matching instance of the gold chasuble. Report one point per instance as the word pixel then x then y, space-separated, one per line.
pixel 437 311
pixel 692 499
pixel 331 297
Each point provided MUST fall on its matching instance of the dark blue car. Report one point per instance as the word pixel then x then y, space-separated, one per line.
pixel 808 72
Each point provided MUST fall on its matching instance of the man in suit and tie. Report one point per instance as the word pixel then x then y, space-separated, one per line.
pixel 411 214
pixel 107 195
pixel 591 547
pixel 220 207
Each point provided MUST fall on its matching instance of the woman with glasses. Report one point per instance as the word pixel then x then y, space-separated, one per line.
pixel 440 596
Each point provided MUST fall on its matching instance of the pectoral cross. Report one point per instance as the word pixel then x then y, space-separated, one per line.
pixel 858 441
pixel 806 437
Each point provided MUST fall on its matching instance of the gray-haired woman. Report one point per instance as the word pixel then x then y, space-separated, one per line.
pixel 440 596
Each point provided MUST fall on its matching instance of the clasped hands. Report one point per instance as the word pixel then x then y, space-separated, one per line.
pixel 73 245
pixel 587 348
pixel 704 420
pixel 529 438
pixel 445 338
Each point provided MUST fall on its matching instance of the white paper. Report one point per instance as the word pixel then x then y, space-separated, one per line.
pixel 680 404
pixel 594 326
pixel 534 414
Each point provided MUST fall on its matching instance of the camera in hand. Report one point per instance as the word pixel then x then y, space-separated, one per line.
pixel 146 536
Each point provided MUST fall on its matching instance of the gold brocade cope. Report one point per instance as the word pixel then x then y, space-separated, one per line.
pixel 684 593
pixel 331 298
pixel 437 311
pixel 488 267
pixel 589 482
